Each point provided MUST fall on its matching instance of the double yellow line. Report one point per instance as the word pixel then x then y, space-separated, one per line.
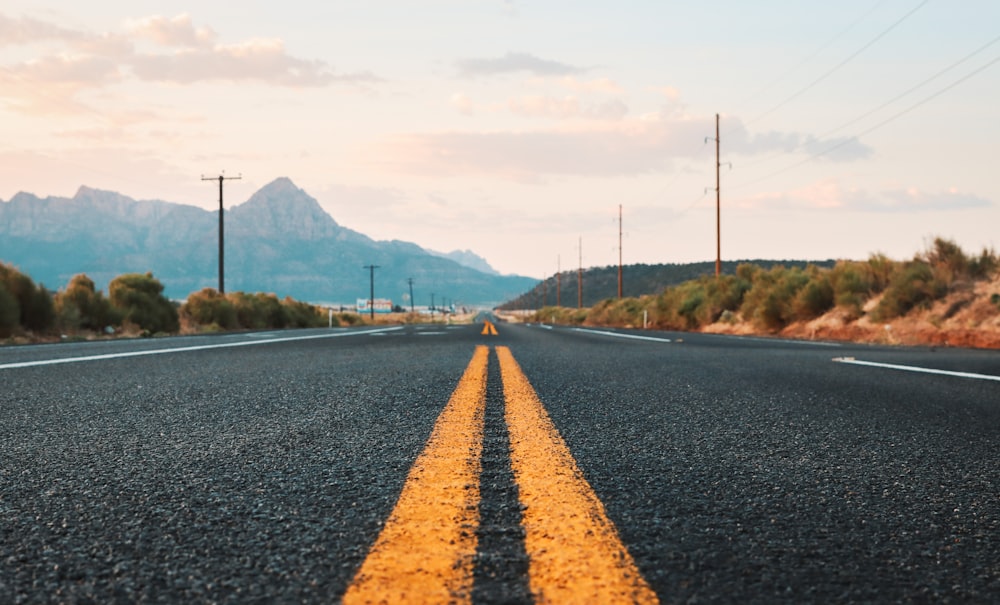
pixel 427 548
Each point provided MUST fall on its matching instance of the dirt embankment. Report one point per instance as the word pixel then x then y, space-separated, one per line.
pixel 968 317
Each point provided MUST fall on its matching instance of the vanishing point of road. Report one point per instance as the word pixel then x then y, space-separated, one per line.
pixel 518 464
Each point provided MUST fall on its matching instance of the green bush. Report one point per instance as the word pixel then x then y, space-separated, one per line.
pixel 880 270
pixel 852 286
pixel 303 315
pixel 10 312
pixel 769 304
pixel 916 285
pixel 816 296
pixel 81 306
pixel 208 307
pixel 139 298
pixel 258 311
pixel 34 307
pixel 986 265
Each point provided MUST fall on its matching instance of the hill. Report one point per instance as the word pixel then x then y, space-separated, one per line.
pixel 600 283
pixel 280 240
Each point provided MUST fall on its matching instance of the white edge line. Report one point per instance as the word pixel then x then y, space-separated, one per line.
pixel 790 341
pixel 892 366
pixel 247 343
pixel 620 335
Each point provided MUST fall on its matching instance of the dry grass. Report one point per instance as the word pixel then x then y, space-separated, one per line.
pixel 967 317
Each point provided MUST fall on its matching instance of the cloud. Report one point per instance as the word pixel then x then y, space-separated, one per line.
pixel 15 32
pixel 178 31
pixel 565 108
pixel 670 93
pixel 185 54
pixel 736 139
pixel 830 194
pixel 265 61
pixel 463 103
pixel 77 70
pixel 531 155
pixel 597 85
pixel 612 147
pixel 513 62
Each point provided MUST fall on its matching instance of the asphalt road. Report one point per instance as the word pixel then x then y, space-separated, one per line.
pixel 262 467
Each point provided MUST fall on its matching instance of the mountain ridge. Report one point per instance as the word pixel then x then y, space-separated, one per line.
pixel 279 240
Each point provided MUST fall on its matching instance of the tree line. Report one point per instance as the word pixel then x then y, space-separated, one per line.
pixel 772 298
pixel 135 304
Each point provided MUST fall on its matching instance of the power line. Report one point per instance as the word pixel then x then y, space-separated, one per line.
pixel 877 126
pixel 816 52
pixel 870 112
pixel 837 67
pixel 913 88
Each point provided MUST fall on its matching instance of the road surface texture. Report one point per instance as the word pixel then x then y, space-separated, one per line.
pixel 536 464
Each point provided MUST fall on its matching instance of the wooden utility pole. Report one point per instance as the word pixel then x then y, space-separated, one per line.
pixel 409 280
pixel 558 281
pixel 222 253
pixel 579 279
pixel 718 213
pixel 619 250
pixel 371 299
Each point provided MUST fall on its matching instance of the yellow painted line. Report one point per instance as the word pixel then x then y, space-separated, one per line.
pixel 426 550
pixel 575 553
pixel 489 328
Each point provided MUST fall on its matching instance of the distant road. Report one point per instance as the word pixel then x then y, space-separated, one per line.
pixel 579 465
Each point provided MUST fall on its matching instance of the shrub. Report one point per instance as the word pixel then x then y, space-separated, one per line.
pixel 986 265
pixel 208 307
pixel 10 312
pixel 303 315
pixel 692 301
pixel 815 298
pixel 80 306
pixel 34 307
pixel 852 286
pixel 769 302
pixel 258 311
pixel 139 297
pixel 914 286
pixel 947 260
pixel 880 269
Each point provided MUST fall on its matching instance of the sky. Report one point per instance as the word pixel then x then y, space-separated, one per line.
pixel 518 129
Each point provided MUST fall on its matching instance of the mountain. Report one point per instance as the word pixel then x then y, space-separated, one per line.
pixel 468 258
pixel 280 240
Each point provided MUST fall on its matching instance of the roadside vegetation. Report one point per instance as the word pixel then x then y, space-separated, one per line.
pixel 135 306
pixel 778 299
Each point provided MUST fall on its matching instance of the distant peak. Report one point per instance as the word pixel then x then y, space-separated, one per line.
pixel 282 184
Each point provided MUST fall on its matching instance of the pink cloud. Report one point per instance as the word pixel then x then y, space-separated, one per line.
pixel 94 61
pixel 605 148
pixel 178 31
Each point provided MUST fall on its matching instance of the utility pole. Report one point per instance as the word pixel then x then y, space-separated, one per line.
pixel 371 300
pixel 221 177
pixel 619 251
pixel 579 278
pixel 409 280
pixel 558 280
pixel 432 306
pixel 718 214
